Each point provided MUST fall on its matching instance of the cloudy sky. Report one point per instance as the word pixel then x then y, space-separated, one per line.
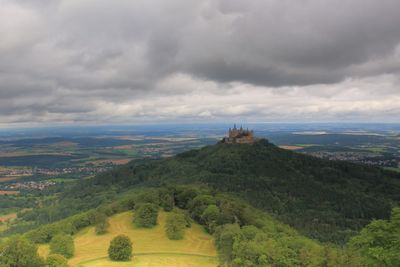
pixel 135 61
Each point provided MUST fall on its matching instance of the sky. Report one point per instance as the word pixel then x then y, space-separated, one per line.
pixel 138 61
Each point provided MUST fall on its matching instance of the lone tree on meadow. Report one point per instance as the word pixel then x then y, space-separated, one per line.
pixel 146 215
pixel 120 248
pixel 63 245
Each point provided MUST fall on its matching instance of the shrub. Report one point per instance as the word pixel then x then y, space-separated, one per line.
pixel 102 227
pixel 175 225
pixel 120 248
pixel 56 260
pixel 146 215
pixel 62 244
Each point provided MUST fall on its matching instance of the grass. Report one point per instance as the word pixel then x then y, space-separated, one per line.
pixel 3 227
pixel 307 145
pixel 128 152
pixel 158 260
pixel 151 247
pixel 376 149
pixel 8 211
pixel 392 169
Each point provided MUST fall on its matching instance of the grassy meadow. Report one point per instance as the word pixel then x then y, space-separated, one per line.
pixel 151 247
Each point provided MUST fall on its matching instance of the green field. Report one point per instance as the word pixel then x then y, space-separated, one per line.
pixel 151 247
pixel 392 169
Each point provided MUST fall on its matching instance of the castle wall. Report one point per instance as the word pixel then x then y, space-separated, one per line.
pixel 239 137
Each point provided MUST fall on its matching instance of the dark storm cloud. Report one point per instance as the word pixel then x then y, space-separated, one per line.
pixel 94 59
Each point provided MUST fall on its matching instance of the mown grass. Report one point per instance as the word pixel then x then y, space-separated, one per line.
pixel 151 247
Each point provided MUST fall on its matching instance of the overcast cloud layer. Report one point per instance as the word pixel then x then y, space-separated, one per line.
pixel 124 61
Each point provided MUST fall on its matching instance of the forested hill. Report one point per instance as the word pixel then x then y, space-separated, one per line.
pixel 327 200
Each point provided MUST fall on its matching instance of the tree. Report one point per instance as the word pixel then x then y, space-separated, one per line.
pixel 224 238
pixel 120 248
pixel 167 201
pixel 19 252
pixel 62 244
pixel 210 216
pixel 175 225
pixel 146 215
pixel 199 204
pixel 379 242
pixel 56 260
pixel 102 226
pixel 185 195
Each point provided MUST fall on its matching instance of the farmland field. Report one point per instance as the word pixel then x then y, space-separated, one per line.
pixel 8 193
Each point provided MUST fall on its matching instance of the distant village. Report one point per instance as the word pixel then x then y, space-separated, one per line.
pixel 52 172
pixel 29 185
pixel 10 176
pixel 358 157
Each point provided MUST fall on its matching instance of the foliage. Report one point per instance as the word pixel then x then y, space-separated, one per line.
pixel 166 196
pixel 69 226
pixel 62 244
pixel 102 225
pixel 225 236
pixel 146 215
pixel 19 252
pixel 175 225
pixel 120 248
pixel 327 200
pixel 56 260
pixel 198 204
pixel 379 242
pixel 210 217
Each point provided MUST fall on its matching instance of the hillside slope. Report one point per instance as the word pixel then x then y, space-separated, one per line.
pixel 151 247
pixel 327 200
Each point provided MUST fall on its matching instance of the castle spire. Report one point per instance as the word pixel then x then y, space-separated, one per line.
pixel 239 135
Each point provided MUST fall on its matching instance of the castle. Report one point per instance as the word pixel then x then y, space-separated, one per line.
pixel 239 136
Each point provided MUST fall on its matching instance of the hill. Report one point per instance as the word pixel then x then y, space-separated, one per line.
pixel 151 247
pixel 243 235
pixel 327 200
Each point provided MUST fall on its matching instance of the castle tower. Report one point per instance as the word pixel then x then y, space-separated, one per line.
pixel 239 136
